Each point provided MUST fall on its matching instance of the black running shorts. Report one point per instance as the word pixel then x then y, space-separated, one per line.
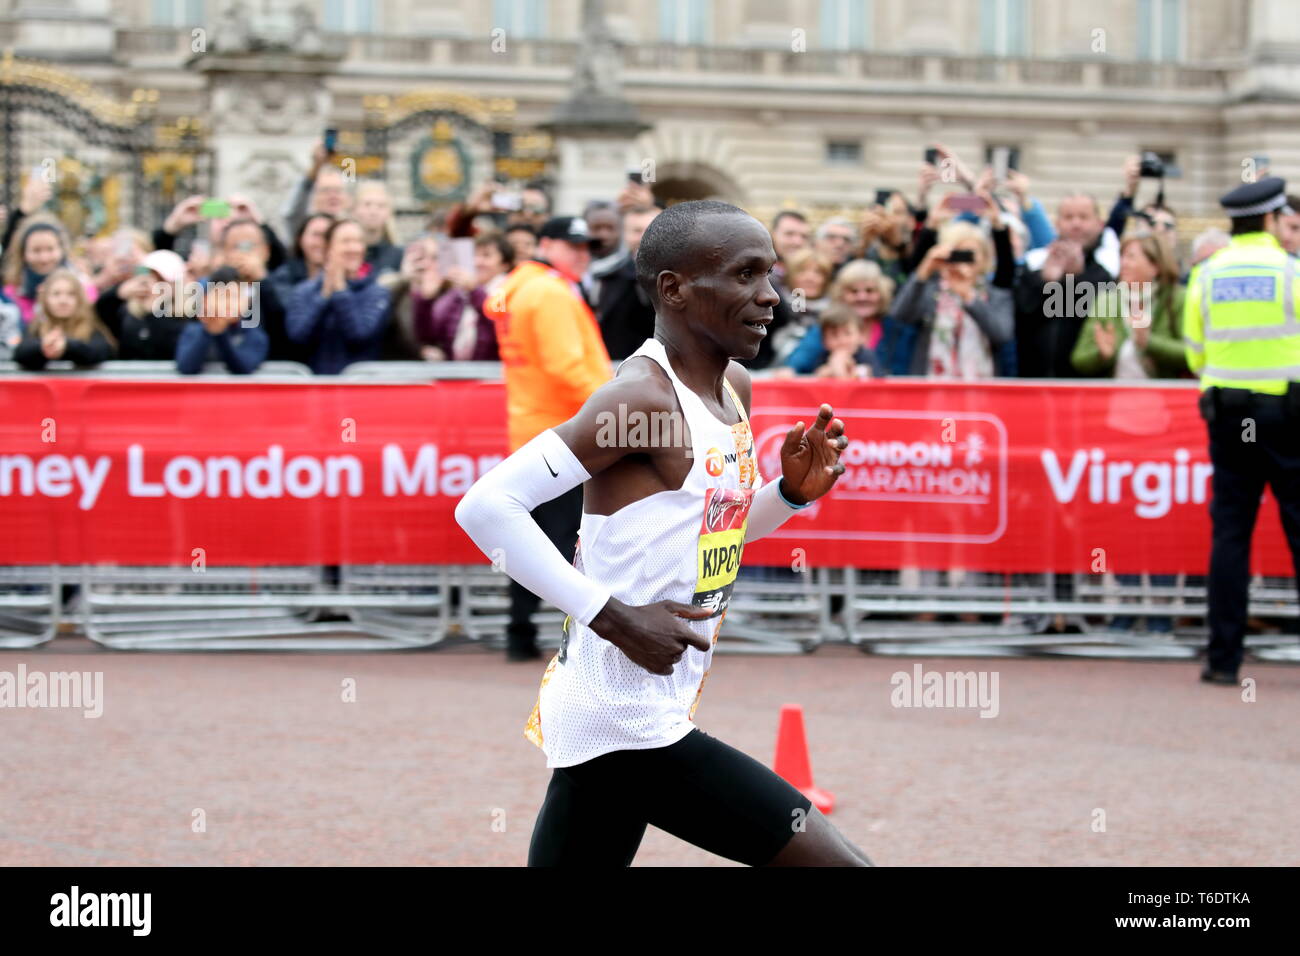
pixel 698 789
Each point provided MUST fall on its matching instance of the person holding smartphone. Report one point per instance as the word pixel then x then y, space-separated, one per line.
pixel 961 317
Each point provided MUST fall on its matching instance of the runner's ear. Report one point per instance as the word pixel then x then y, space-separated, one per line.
pixel 671 289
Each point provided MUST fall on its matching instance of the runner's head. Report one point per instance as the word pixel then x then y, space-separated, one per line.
pixel 705 267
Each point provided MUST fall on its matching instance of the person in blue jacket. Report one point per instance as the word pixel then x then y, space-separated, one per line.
pixel 341 314
pixel 224 332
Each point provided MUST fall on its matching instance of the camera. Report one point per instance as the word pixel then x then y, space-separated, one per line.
pixel 961 255
pixel 1153 166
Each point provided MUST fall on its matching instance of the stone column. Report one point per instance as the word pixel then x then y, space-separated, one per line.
pixel 595 129
pixel 268 103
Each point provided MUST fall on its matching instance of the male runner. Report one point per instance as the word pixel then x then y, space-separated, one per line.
pixel 666 511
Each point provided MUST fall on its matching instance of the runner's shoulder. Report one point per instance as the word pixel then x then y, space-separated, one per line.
pixel 740 380
pixel 640 384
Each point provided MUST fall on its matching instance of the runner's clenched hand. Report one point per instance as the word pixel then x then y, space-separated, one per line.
pixel 652 636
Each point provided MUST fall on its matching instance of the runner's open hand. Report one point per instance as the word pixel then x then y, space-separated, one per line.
pixel 810 461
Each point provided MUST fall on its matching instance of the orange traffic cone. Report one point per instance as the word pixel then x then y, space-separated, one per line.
pixel 792 758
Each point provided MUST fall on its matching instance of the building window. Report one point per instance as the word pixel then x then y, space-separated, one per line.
pixel 349 16
pixel 520 18
pixel 1160 29
pixel 177 13
pixel 845 24
pixel 844 151
pixel 684 21
pixel 1004 27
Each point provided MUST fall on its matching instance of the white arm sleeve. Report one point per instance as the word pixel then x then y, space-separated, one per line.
pixel 495 514
pixel 767 511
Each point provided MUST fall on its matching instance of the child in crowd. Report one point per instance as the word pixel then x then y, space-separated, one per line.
pixel 64 326
pixel 847 352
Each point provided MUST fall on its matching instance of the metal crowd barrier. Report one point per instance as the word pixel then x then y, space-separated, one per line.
pixel 772 610
pixel 30 604
pixel 1014 613
pixel 259 608
pixel 422 371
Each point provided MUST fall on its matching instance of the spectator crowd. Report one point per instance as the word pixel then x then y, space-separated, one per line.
pixel 967 278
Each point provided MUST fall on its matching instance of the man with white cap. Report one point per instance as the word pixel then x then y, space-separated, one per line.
pixel 1243 338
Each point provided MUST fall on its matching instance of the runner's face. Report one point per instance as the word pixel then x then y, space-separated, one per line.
pixel 729 300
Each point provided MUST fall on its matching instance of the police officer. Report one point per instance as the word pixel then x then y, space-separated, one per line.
pixel 1242 337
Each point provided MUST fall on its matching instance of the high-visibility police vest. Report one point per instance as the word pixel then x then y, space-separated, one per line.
pixel 1239 317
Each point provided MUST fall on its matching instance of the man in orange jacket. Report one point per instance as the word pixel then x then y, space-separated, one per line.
pixel 554 357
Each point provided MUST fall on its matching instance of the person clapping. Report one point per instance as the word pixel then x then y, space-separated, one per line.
pixel 342 314
pixel 64 326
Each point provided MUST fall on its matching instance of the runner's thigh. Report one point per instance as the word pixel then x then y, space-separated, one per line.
pixel 584 824
pixel 710 794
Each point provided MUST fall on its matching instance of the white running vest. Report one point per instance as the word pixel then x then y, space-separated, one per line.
pixel 682 545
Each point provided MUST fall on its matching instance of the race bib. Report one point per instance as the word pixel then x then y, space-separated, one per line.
pixel 721 541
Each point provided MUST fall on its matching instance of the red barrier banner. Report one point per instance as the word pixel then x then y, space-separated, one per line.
pixel 1005 476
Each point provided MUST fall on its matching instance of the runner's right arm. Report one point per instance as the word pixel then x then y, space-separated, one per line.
pixel 495 514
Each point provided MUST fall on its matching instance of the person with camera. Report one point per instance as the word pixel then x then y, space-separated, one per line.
pixel 1048 320
pixel 887 229
pixel 961 317
pixel 189 212
pixel 1154 217
pixel 322 189
pixel 1243 339
pixel 529 206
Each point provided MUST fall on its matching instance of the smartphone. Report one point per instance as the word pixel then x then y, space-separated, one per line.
pixel 200 248
pixel 122 245
pixel 965 202
pixel 932 156
pixel 215 209
pixel 1003 159
pixel 634 175
pixel 511 202
pixel 456 254
pixel 961 255
pixel 331 139
pixel 883 196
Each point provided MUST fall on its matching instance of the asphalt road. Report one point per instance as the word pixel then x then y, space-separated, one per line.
pixel 428 764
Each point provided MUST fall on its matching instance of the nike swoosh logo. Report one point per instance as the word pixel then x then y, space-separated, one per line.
pixel 554 473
